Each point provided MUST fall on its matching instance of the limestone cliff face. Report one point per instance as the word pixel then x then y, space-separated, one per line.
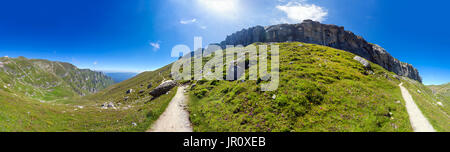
pixel 323 34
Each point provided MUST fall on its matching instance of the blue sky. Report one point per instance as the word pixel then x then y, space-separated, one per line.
pixel 138 35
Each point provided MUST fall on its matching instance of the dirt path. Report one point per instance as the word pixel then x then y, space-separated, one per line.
pixel 175 118
pixel 417 119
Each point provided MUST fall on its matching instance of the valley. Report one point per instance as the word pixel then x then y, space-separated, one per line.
pixel 330 81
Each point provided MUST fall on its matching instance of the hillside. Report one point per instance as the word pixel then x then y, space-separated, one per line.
pixel 47 81
pixel 104 111
pixel 435 108
pixel 321 89
pixel 441 91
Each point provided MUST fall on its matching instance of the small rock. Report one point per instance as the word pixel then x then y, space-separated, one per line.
pixel 291 62
pixel 129 91
pixel 274 96
pixel 440 103
pixel 387 77
pixel 418 91
pixel 107 105
pixel 397 101
pixel 134 124
pixel 397 77
pixel 149 86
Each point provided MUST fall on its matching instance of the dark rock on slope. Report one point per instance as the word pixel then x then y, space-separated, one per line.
pixel 323 34
pixel 163 88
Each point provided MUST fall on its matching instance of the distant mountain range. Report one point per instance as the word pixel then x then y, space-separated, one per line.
pixel 48 80
pixel 120 76
pixel 442 91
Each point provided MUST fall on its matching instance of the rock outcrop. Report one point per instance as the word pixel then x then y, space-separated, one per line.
pixel 323 34
pixel 363 61
pixel 163 88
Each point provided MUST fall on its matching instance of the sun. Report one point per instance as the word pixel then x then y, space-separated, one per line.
pixel 220 7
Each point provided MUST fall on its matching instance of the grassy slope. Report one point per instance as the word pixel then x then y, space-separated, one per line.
pixel 48 81
pixel 25 114
pixel 441 91
pixel 323 89
pixel 19 112
pixel 427 102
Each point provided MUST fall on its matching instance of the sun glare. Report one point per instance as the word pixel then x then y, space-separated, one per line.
pixel 221 7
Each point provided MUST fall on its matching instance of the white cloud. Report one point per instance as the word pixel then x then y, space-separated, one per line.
pixel 95 62
pixel 203 27
pixel 298 11
pixel 188 21
pixel 155 45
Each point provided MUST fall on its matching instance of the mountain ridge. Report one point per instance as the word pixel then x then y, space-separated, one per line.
pixel 323 34
pixel 47 80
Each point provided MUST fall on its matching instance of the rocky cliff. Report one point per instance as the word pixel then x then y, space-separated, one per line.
pixel 323 34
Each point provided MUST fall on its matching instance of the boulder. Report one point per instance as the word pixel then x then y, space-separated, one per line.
pixel 363 61
pixel 107 105
pixel 129 91
pixel 163 88
pixel 149 86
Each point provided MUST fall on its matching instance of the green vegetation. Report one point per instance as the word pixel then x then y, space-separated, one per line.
pixel 48 81
pixel 24 114
pixel 441 91
pixel 40 95
pixel 430 104
pixel 321 89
